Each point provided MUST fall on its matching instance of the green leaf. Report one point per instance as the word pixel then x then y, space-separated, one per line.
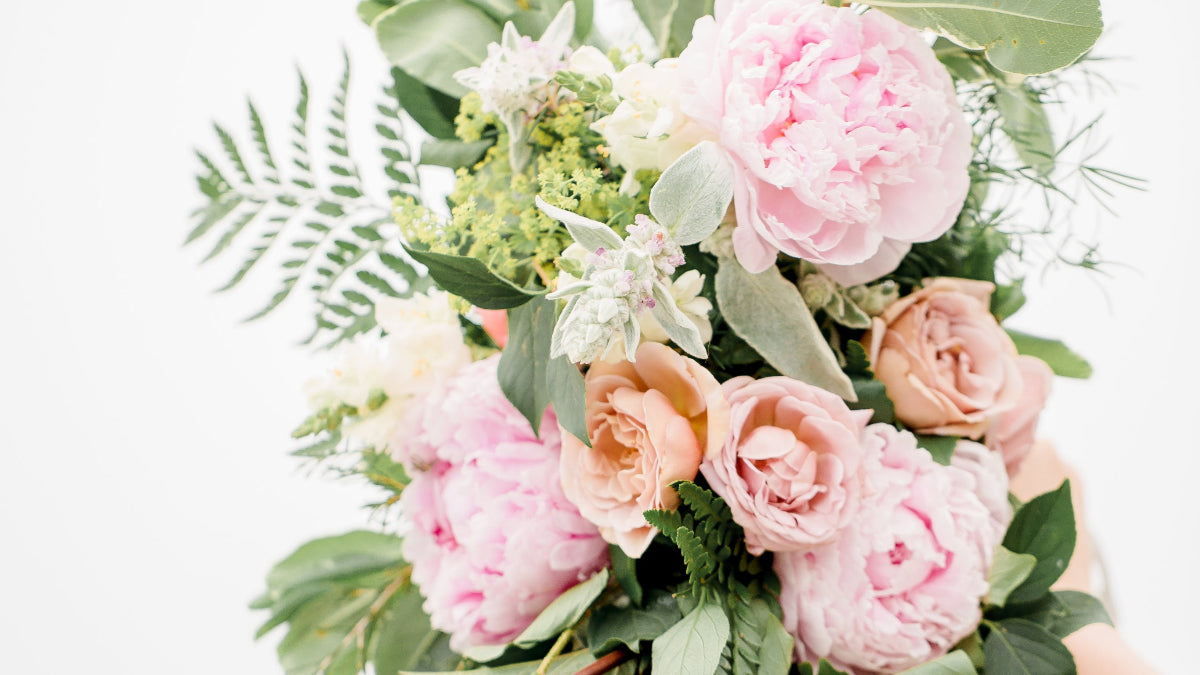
pixel 471 280
pixel 775 657
pixel 1008 299
pixel 1028 37
pixel 610 626
pixel 369 9
pixel 955 663
pixel 404 640
pixel 1026 124
pixel 564 612
pixel 525 361
pixel 871 393
pixel 768 312
pixel 940 447
pixel 1064 612
pixel 1021 647
pixel 625 570
pixel 453 154
pixel 567 392
pixel 567 664
pixel 822 669
pixel 1008 572
pixel 670 21
pixel 433 39
pixel 1057 355
pixel 1044 528
pixel 691 197
pixel 588 233
pixel 430 108
pixel 334 557
pixel 693 646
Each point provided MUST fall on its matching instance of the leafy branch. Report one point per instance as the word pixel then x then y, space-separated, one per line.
pixel 327 233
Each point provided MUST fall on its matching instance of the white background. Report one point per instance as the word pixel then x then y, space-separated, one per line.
pixel 145 487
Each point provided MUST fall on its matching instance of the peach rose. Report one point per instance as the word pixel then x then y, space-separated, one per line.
pixel 651 423
pixel 792 468
pixel 948 365
pixel 1012 434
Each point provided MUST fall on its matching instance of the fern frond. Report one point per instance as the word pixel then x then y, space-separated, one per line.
pixel 328 235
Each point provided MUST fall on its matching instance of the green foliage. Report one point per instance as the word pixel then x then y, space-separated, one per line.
pixel 565 664
pixel 822 668
pixel 1028 37
pixel 525 361
pixel 471 280
pixel 1009 570
pixel 610 626
pixel 1064 612
pixel 342 598
pixel 941 448
pixel 758 642
pixel 670 21
pixel 1057 355
pixel 767 311
pixel 593 92
pixel 712 544
pixel 567 395
pixel 433 39
pixel 625 571
pixel 1044 528
pixel 955 663
pixel 1021 647
pixel 694 645
pixel 692 195
pixel 872 394
pixel 326 231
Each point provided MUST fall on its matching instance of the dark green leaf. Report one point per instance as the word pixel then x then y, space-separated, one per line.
pixel 823 669
pixel 471 280
pixel 525 360
pixel 567 392
pixel 940 447
pixel 625 571
pixel 428 107
pixel 1044 528
pixel 611 626
pixel 1064 612
pixel 1057 355
pixel 871 393
pixel 1021 647
pixel 404 640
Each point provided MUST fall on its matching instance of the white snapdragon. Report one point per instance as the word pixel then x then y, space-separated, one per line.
pixel 423 346
pixel 514 80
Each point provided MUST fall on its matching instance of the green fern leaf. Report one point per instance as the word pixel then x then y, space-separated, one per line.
pixel 259 134
pixel 233 153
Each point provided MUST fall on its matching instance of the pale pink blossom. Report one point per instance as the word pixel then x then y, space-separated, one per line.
pixel 491 537
pixel 902 584
pixel 846 136
pixel 1012 434
pixel 791 468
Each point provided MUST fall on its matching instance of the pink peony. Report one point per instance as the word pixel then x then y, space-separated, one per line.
pixel 846 136
pixel 491 536
pixel 651 423
pixel 792 467
pixel 901 585
pixel 1013 433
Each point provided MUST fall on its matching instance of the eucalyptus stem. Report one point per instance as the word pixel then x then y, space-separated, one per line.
pixel 559 645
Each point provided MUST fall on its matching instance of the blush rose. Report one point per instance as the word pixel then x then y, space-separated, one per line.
pixel 651 423
pixel 1012 434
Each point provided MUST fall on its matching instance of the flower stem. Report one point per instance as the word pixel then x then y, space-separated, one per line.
pixel 559 646
pixel 608 662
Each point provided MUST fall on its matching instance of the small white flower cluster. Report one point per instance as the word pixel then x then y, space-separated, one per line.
pixel 423 346
pixel 514 80
pixel 622 279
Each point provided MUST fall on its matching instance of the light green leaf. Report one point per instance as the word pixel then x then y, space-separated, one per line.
pixel 560 615
pixel 671 21
pixel 823 668
pixel 1027 37
pixel 775 657
pixel 691 197
pixel 955 663
pixel 368 10
pixel 404 640
pixel 1026 123
pixel 453 154
pixel 1021 647
pixel 693 646
pixel 567 392
pixel 767 312
pixel 611 626
pixel 334 557
pixel 588 233
pixel 1044 528
pixel 1057 355
pixel 1008 571
pixel 470 279
pixel 433 39
pixel 524 361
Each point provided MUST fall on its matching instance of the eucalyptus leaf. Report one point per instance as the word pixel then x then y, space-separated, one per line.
pixel 768 312
pixel 1025 122
pixel 471 280
pixel 345 555
pixel 434 39
pixel 1027 37
pixel 560 615
pixel 1021 647
pixel 693 646
pixel 955 663
pixel 567 392
pixel 691 197
pixel 404 640
pixel 453 154
pixel 588 233
pixel 1057 355
pixel 1044 528
pixel 524 362
pixel 1008 571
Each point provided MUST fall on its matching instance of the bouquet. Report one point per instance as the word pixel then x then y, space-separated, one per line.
pixel 699 366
